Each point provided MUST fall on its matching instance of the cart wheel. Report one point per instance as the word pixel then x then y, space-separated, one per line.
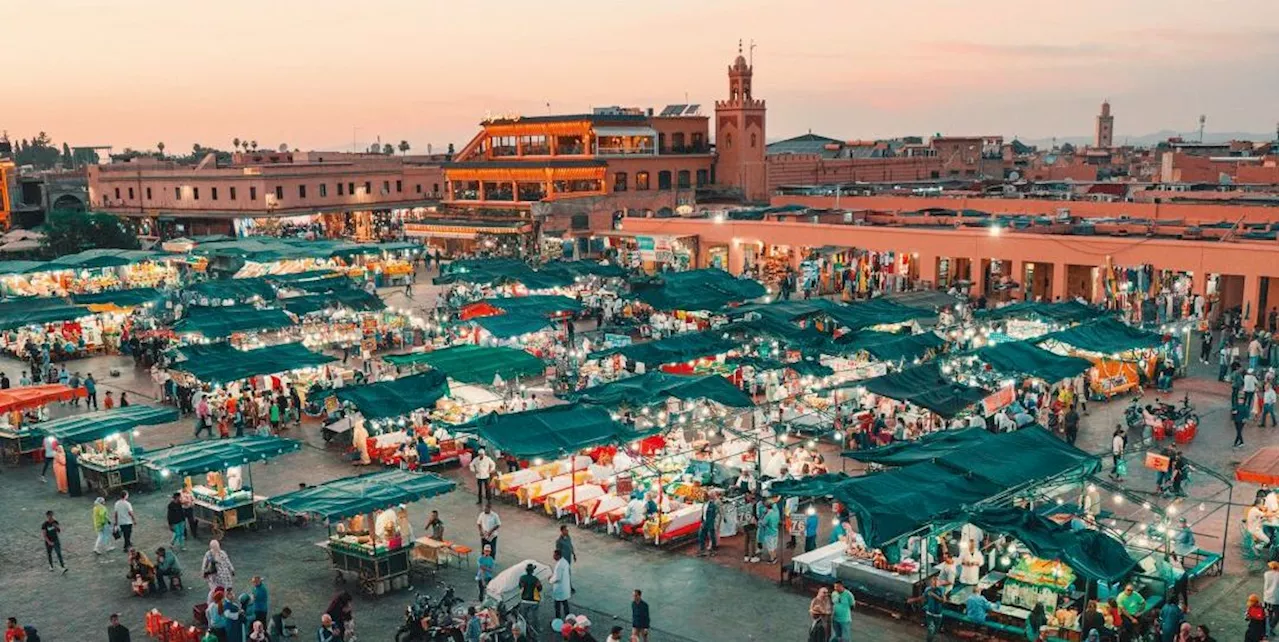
pixel 338 579
pixel 368 582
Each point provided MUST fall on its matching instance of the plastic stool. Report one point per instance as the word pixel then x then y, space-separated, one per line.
pixel 463 553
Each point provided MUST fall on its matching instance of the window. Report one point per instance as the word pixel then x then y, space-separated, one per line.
pixel 231 193
pixel 117 193
pixel 368 188
pixel 177 193
pixel 148 193
pixel 728 140
pixel 302 191
pixel 195 193
pixel 435 188
pixel 279 192
pixel 642 181
pixel 253 193
pixel 417 189
pixel 351 188
pixel 702 178
pixel 213 193
pixel 677 142
pixel 386 187
pixel 620 182
pixel 131 193
pixel 339 189
pixel 664 179
pixel 697 144
pixel 399 187
pixel 753 141
pixel 324 190
pixel 682 179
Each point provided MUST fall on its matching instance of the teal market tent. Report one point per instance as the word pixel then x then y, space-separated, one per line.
pixel 239 290
pixel 548 432
pixel 673 349
pixel 889 346
pixel 926 448
pixel 348 298
pixel 510 326
pixel 8 268
pixel 925 386
pixel 1093 554
pixel 696 290
pixel 220 322
pixel 873 312
pixel 1061 312
pixel 1104 336
pixel 475 364
pixel 534 305
pixel 361 495
pixel 99 424
pixel 579 269
pixel 18 313
pixel 1021 358
pixel 501 272
pixel 122 298
pixel 656 387
pixel 103 258
pixel 397 397
pixel 222 363
pixel 202 456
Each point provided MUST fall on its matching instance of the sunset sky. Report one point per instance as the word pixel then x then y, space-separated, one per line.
pixel 318 73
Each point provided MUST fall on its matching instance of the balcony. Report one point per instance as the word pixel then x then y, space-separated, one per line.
pixel 625 151
pixel 688 149
pixel 570 150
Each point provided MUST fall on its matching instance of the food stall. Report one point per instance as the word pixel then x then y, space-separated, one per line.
pixel 369 538
pixel 1123 357
pixel 21 410
pixel 224 497
pixel 387 418
pixel 238 323
pixel 224 369
pixel 96 448
pixel 474 364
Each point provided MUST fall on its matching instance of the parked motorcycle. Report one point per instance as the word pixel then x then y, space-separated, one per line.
pixel 425 621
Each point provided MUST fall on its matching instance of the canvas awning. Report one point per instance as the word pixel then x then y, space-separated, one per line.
pixel 1104 336
pixel 203 456
pixel 222 363
pixel 656 387
pixel 673 349
pixel 873 312
pixel 220 322
pixel 1060 312
pixel 548 432
pixel 1021 358
pixel 509 326
pixel 1092 554
pixel 926 448
pixel 362 495
pixel 535 305
pixel 625 131
pixel 475 364
pixel 398 397
pixel 18 313
pixel 706 289
pixel 886 346
pixel 347 298
pixel 926 387
pixel 239 290
pixel 25 397
pixel 92 426
pixel 23 267
pixel 103 258
pixel 120 298
pixel 500 271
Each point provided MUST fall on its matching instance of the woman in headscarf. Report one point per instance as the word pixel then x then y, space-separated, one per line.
pixel 216 567
pixel 258 634
pixel 142 572
pixel 101 526
pixel 820 610
pixel 1256 618
pixel 340 610
pixel 233 611
pixel 1184 633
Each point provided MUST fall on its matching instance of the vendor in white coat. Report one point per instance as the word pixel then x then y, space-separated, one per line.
pixel 970 564
pixel 561 589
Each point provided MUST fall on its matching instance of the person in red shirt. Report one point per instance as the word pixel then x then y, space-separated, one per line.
pixel 108 402
pixel 13 632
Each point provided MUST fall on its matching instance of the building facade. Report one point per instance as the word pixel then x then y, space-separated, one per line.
pixel 740 136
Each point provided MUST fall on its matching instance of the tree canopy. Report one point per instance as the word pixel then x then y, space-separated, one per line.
pixel 68 232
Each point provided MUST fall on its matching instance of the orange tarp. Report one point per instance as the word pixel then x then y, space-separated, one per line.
pixel 35 396
pixel 1262 467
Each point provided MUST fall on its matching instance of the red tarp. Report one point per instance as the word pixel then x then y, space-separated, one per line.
pixel 35 396
pixel 1261 467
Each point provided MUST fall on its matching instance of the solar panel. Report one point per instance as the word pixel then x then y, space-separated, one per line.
pixel 672 110
pixel 692 110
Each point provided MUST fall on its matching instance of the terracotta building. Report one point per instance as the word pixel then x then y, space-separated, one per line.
pixel 740 136
pixel 1104 129
pixel 1181 167
pixel 171 198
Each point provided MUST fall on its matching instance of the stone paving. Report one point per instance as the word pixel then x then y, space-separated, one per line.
pixel 702 599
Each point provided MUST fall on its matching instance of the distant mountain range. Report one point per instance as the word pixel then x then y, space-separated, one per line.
pixel 1148 140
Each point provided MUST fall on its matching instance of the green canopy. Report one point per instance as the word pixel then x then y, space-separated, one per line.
pixel 202 456
pixel 873 312
pixel 787 333
pixel 19 313
pixel 656 387
pixel 548 432
pixel 92 426
pixel 221 363
pixel 347 297
pixel 889 346
pixel 926 448
pixel 787 311
pixel 1021 358
pixel 24 267
pixel 239 290
pixel 1060 312
pixel 501 271
pixel 706 289
pixel 926 387
pixel 576 269
pixel 1104 336
pixel 673 349
pixel 1040 454
pixel 122 298
pixel 1091 553
pixel 267 250
pixel 351 496
pixel 219 322
pixel 311 275
pixel 509 326
pixel 103 258
pixel 535 305
pixel 475 364
pixel 397 397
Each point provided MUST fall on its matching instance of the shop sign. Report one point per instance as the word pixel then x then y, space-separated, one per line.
pixel 646 247
pixel 331 404
pixel 998 400
pixel 662 250
pixel 617 340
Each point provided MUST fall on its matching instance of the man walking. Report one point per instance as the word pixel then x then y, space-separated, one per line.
pixel 90 391
pixel 122 519
pixel 639 618
pixel 841 613
pixel 177 520
pixel 50 530
pixel 488 524
pixel 1250 388
pixel 74 384
pixel 1238 415
pixel 530 597
pixel 708 542
pixel 561 584
pixel 483 467
pixel 564 546
pixel 1071 425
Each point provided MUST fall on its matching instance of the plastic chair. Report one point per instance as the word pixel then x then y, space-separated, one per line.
pixel 463 553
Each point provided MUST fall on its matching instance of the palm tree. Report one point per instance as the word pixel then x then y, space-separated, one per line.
pixel 404 147
pixel 388 149
pixel 160 146
pixel 254 144
pixel 235 142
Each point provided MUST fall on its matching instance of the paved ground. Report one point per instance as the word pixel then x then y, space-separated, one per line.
pixel 691 598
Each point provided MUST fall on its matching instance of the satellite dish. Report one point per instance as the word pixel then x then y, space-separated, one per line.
pixel 1014 175
pixel 684 210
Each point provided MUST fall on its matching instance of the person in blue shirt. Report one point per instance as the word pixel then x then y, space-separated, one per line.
pixel 810 529
pixel 261 604
pixel 933 597
pixel 1171 619
pixel 485 567
pixel 977 606
pixel 473 626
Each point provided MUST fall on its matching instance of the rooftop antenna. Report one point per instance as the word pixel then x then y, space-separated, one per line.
pixel 751 54
pixel 1202 128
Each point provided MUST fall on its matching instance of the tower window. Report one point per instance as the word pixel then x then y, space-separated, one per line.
pixel 753 141
pixel 728 141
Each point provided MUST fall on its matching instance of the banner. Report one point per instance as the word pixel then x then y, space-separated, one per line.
pixel 645 246
pixel 617 340
pixel 998 400
pixel 1110 378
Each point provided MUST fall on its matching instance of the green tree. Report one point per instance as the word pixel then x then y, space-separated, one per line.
pixel 254 144
pixel 160 148
pixel 67 160
pixel 404 147
pixel 69 232
pixel 388 149
pixel 235 142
